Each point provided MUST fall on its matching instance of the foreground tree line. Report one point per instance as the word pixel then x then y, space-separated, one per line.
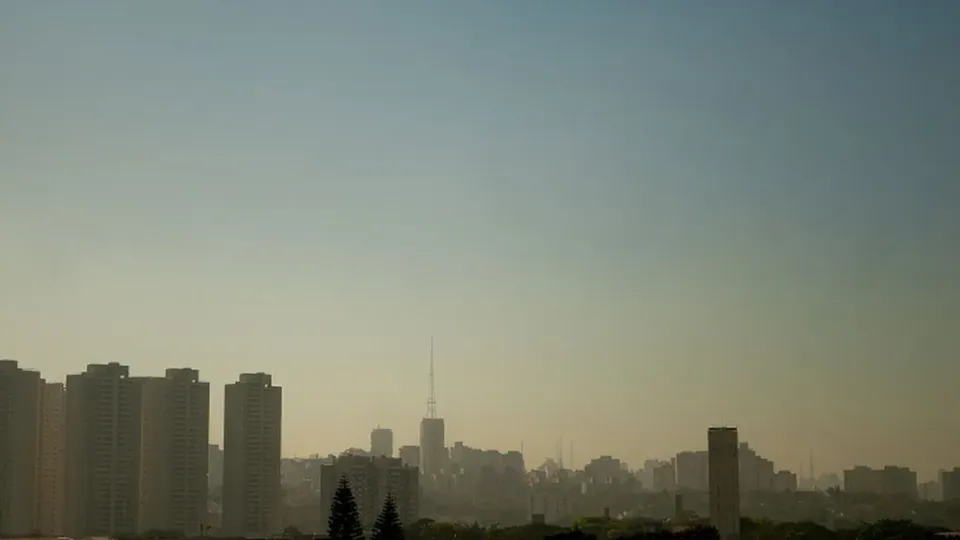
pixel 345 524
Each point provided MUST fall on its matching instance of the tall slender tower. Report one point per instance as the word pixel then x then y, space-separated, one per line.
pixel 433 449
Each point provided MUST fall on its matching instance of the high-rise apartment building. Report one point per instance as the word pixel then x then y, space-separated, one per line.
pixel 724 480
pixel 889 480
pixel 252 497
pixel 20 402
pixel 381 442
pixel 371 480
pixel 433 449
pixel 103 452
pixel 950 485
pixel 175 433
pixel 53 460
pixel 692 471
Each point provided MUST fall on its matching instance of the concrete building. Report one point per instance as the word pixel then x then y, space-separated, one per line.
pixel 433 449
pixel 103 452
pixel 784 481
pixel 381 442
pixel 371 479
pixel 665 477
pixel 410 455
pixel 175 428
pixel 756 472
pixel 214 467
pixel 930 491
pixel 950 485
pixel 724 479
pixel 692 471
pixel 889 480
pixel 21 393
pixel 53 460
pixel 252 493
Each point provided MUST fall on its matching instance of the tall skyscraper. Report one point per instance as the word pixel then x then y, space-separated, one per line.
pixel 724 475
pixel 20 398
pixel 433 448
pixel 175 434
pixel 103 452
pixel 53 460
pixel 252 497
pixel 381 442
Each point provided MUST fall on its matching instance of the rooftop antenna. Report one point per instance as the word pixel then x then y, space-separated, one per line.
pixel 560 452
pixel 431 398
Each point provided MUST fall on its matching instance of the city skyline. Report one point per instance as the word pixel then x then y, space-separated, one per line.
pixel 623 221
pixel 563 454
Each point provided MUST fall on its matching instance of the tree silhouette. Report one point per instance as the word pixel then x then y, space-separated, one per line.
pixel 344 522
pixel 388 526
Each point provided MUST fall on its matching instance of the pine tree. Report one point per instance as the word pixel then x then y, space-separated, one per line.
pixel 344 522
pixel 388 526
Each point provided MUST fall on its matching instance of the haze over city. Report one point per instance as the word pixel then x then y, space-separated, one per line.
pixel 622 222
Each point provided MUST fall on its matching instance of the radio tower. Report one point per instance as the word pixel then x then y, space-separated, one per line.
pixel 431 397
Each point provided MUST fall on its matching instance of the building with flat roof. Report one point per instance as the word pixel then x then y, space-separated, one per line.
pixel 21 392
pixel 174 459
pixel 103 452
pixel 381 442
pixel 53 460
pixel 724 479
pixel 252 493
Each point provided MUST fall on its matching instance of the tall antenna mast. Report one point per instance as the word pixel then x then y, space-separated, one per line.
pixel 431 398
pixel 813 476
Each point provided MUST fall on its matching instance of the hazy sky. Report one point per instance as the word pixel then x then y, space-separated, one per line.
pixel 623 221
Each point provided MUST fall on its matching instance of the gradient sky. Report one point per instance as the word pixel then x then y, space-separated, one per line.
pixel 623 221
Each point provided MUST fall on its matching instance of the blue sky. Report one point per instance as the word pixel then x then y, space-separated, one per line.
pixel 623 221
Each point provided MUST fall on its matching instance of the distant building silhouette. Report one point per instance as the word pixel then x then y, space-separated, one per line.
pixel 252 496
pixel 889 480
pixel 724 476
pixel 21 393
pixel 692 471
pixel 784 481
pixel 950 484
pixel 381 442
pixel 371 480
pixel 410 455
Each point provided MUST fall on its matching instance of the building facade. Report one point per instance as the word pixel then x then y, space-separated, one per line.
pixel 410 455
pixel 724 480
pixel 174 461
pixel 252 493
pixel 371 479
pixel 692 471
pixel 103 452
pixel 950 485
pixel 433 449
pixel 381 442
pixel 53 460
pixel 21 393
